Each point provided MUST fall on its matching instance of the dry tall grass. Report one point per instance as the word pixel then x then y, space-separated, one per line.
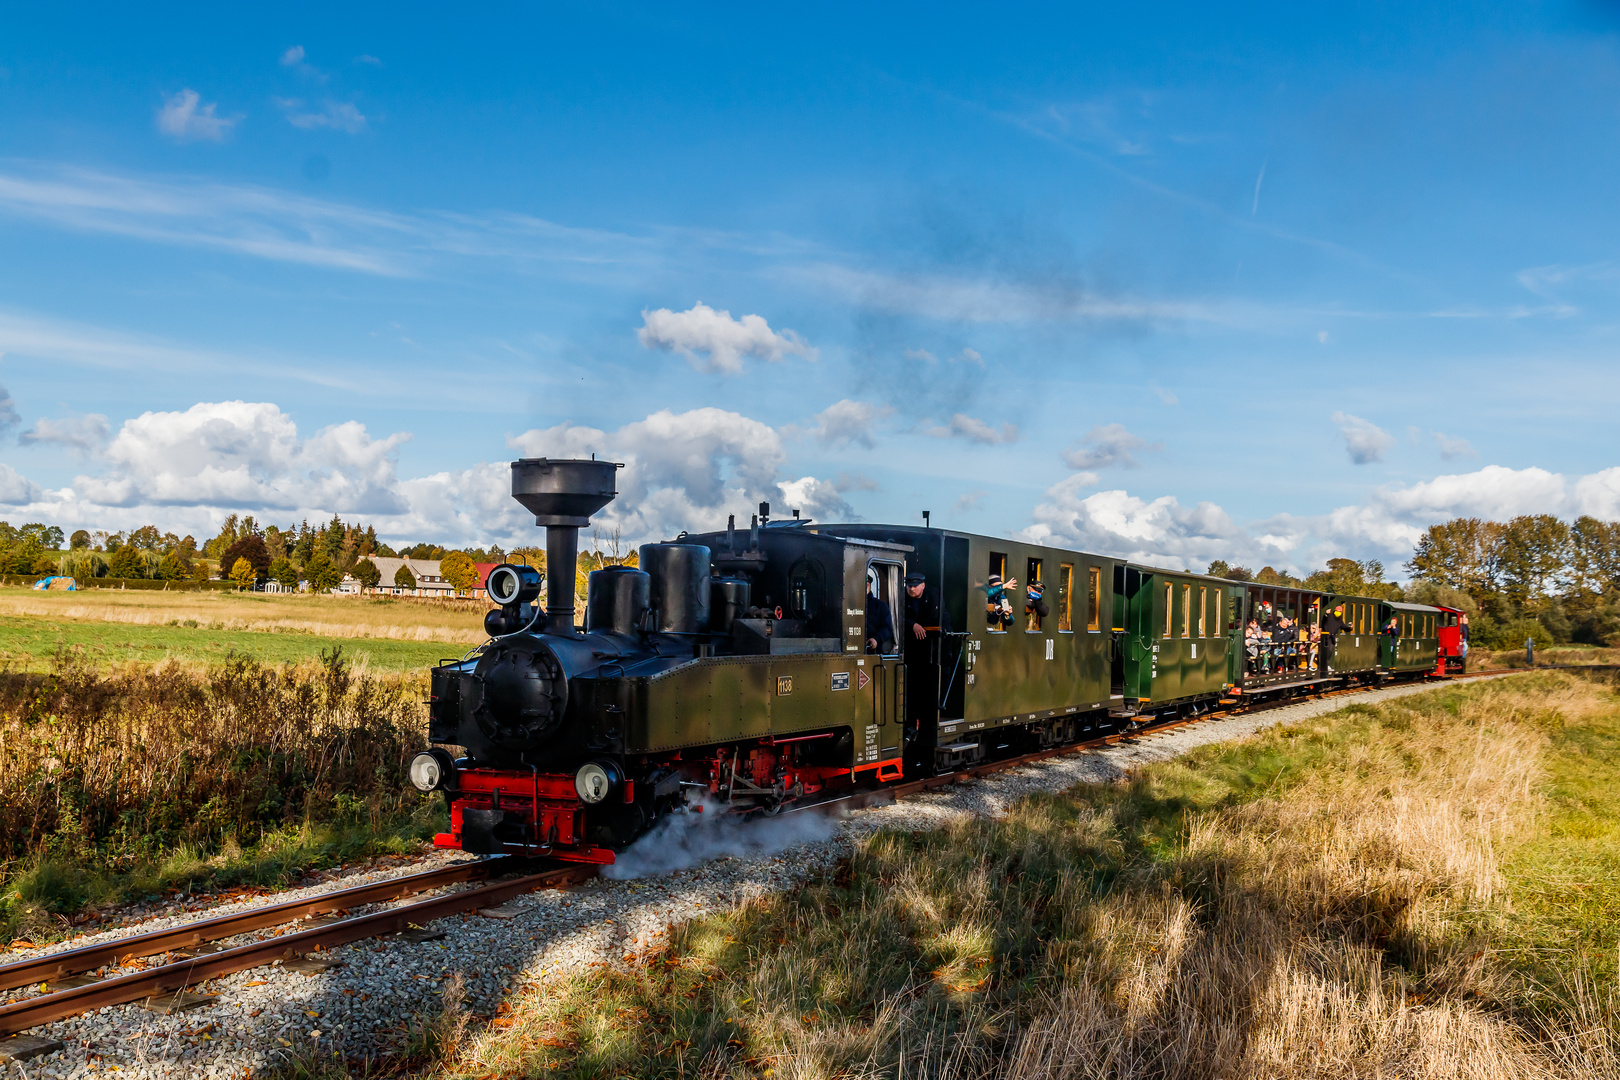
pixel 342 617
pixel 102 767
pixel 1287 909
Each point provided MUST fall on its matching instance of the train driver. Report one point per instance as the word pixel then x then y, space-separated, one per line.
pixel 922 607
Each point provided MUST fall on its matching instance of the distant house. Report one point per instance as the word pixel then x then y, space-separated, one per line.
pixel 429 581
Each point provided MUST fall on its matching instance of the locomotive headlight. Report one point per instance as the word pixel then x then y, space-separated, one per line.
pixel 509 584
pixel 596 780
pixel 430 769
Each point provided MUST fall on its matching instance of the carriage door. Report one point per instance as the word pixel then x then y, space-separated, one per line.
pixel 888 671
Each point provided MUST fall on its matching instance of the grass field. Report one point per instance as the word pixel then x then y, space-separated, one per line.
pixel 112 626
pixel 1423 888
pixel 127 780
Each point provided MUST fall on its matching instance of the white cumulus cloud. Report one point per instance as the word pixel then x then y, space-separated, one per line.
pixel 701 332
pixel 1364 440
pixel 245 455
pixel 186 118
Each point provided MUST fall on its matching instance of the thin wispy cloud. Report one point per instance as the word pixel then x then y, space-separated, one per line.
pixel 81 434
pixel 331 116
pixel 977 299
pixel 1108 445
pixel 1036 126
pixel 9 416
pixel 280 226
pixel 185 118
pixel 43 339
pixel 1453 447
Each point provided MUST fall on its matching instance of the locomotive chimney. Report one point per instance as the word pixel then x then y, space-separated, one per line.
pixel 562 496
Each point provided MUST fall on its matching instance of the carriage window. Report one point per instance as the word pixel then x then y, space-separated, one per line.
pixel 1065 603
pixel 1034 589
pixel 1203 611
pixel 1094 598
pixel 1186 611
pixel 998 609
pixel 1169 606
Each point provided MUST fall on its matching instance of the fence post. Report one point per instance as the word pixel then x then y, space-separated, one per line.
pixel 1530 651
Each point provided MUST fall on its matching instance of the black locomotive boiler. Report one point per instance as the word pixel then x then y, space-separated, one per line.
pixel 776 664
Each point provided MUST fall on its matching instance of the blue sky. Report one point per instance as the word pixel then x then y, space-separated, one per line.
pixel 1173 282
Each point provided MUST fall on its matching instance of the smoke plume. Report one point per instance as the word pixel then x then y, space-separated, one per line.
pixel 708 832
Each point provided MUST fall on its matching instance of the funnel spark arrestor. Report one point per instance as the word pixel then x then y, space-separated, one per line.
pixel 562 496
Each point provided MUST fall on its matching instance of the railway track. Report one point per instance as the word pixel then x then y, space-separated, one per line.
pixel 197 959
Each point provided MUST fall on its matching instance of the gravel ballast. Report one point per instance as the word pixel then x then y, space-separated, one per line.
pixel 369 1005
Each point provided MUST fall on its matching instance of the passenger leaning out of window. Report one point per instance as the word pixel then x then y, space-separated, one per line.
pixel 998 612
pixel 1393 627
pixel 1034 607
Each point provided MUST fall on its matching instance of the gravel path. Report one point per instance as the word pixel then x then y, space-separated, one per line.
pixel 705 863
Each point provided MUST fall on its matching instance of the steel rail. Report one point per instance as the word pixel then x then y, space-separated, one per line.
pixel 119 990
pixel 89 957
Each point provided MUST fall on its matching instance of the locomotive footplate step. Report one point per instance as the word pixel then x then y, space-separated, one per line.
pixel 416 935
pixel 177 1002
pixel 23 1047
pixel 311 965
pixel 70 982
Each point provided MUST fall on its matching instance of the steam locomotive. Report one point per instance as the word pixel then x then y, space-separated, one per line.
pixel 751 666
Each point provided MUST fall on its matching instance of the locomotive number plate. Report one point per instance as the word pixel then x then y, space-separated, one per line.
pixel 784 685
pixel 840 680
